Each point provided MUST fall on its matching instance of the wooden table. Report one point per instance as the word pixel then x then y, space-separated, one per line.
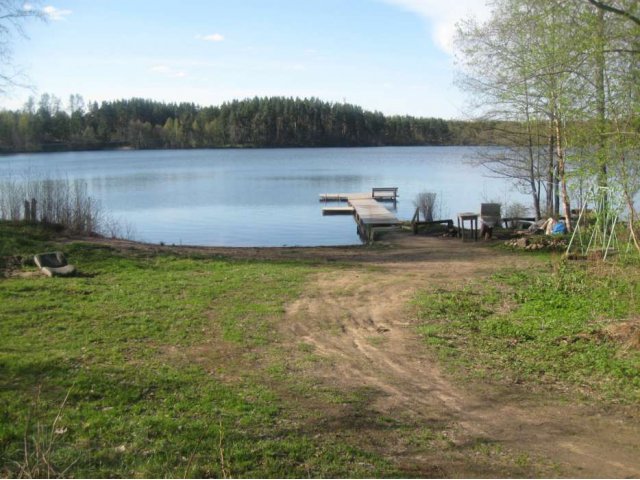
pixel 472 218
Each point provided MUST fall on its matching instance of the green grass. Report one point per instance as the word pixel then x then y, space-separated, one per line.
pixel 169 365
pixel 18 239
pixel 541 327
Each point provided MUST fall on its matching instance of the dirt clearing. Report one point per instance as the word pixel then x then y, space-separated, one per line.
pixel 358 320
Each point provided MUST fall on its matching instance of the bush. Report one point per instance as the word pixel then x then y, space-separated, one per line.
pixel 426 202
pixel 57 201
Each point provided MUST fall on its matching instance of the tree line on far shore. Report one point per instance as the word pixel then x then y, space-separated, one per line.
pixel 48 125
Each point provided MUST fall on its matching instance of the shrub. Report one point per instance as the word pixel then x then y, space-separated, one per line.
pixel 427 203
pixel 58 201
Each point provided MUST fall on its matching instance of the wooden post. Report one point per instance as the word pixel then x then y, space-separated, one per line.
pixel 34 204
pixel 27 211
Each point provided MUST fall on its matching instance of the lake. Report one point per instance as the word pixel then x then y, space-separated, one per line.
pixel 263 197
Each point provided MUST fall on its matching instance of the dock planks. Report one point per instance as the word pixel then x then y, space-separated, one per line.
pixel 342 197
pixel 338 211
pixel 370 213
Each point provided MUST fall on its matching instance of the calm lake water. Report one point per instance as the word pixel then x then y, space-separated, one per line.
pixel 263 197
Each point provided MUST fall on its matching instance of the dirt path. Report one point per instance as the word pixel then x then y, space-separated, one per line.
pixel 357 321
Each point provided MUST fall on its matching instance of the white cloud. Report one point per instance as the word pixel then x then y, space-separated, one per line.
pixel 443 15
pixel 53 13
pixel 214 37
pixel 168 71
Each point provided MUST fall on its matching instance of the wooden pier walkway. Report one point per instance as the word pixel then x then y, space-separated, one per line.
pixel 383 194
pixel 338 211
pixel 342 197
pixel 369 212
pixel 370 216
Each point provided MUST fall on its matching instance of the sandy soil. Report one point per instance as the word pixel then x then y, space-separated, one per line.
pixel 357 320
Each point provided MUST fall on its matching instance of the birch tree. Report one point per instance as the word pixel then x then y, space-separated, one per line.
pixel 549 62
pixel 13 14
pixel 497 70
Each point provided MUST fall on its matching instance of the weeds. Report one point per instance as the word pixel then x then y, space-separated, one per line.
pixel 40 443
pixel 550 327
pixel 223 465
pixel 57 201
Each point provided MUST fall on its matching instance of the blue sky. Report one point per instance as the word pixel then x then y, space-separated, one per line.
pixel 388 55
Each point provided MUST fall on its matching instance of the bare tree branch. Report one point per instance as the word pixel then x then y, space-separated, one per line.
pixel 617 11
pixel 13 14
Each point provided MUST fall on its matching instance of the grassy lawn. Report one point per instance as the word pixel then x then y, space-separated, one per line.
pixel 153 365
pixel 160 364
pixel 573 324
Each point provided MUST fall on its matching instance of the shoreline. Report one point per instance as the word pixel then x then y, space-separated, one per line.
pixel 394 248
pixel 130 148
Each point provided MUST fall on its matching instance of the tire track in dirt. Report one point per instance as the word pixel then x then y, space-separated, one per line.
pixel 357 320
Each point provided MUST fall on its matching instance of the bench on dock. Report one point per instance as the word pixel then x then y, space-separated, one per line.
pixel 384 193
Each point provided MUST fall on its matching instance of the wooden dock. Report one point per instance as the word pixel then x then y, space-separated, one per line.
pixel 370 216
pixel 338 211
pixel 383 194
pixel 369 212
pixel 342 197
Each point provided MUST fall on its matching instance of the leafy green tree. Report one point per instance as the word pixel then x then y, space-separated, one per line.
pixel 560 70
pixel 501 71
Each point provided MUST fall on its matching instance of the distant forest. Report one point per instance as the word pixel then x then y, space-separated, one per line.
pixel 47 125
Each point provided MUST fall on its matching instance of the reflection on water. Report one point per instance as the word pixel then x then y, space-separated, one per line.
pixel 263 197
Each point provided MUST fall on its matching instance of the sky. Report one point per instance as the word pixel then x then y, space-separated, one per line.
pixel 392 56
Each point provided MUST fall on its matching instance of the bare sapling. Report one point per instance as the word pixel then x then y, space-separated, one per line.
pixel 426 202
pixel 56 201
